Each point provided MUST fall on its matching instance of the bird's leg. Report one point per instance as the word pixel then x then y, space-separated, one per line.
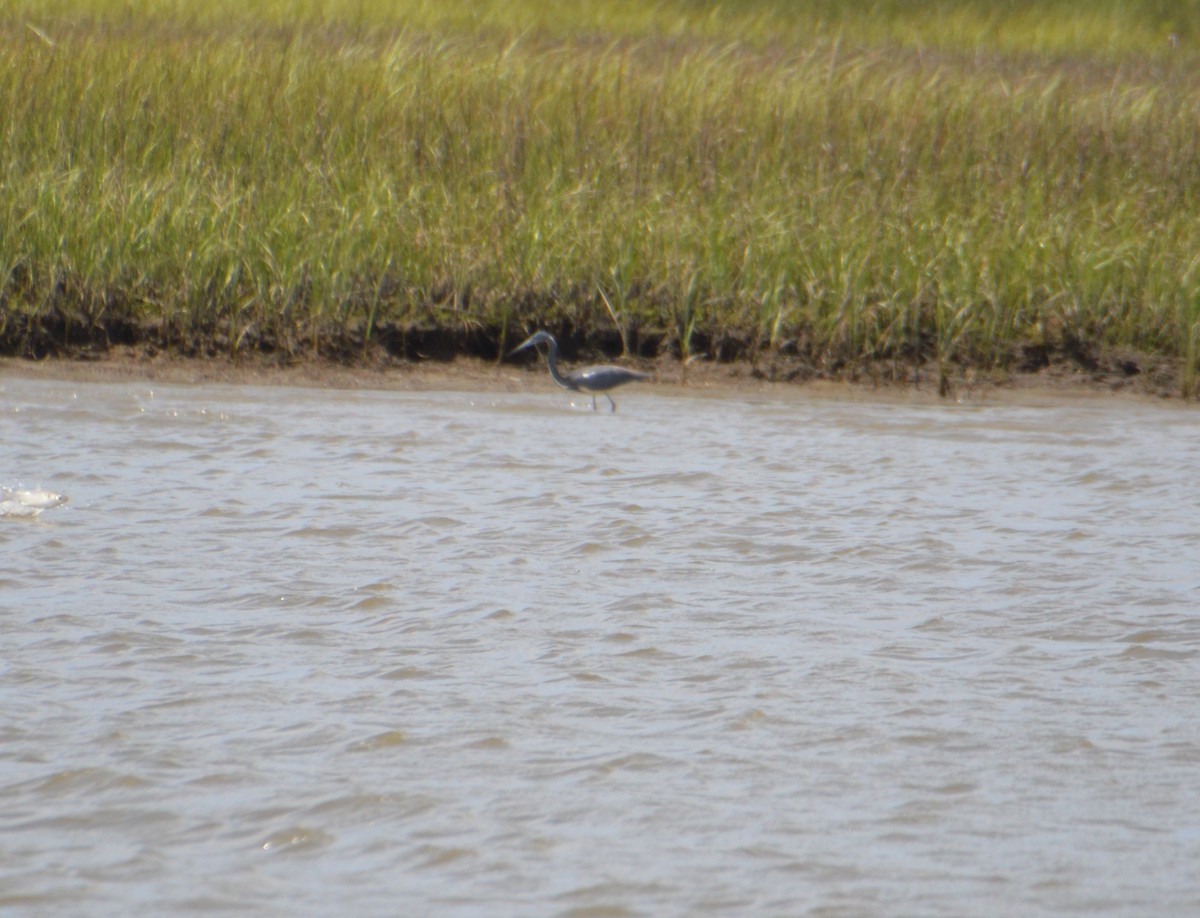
pixel 593 401
pixel 611 402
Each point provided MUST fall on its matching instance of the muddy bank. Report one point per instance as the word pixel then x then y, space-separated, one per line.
pixel 470 356
pixel 1100 373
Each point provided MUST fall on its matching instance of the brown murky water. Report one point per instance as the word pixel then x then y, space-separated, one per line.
pixel 375 653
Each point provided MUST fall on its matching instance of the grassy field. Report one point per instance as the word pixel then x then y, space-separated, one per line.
pixel 976 183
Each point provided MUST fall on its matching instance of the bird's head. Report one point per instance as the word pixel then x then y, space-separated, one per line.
pixel 534 339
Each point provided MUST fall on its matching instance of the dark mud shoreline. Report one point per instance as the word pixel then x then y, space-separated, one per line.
pixel 430 358
pixel 113 346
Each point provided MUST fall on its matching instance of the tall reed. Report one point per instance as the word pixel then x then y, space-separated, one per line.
pixel 927 181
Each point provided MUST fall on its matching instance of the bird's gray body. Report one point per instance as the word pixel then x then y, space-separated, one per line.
pixel 588 379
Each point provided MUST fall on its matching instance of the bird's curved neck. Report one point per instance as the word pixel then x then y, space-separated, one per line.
pixel 552 363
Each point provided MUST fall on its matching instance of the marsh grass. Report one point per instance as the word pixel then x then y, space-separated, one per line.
pixel 871 182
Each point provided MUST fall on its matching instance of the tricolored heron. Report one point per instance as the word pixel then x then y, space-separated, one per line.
pixel 589 379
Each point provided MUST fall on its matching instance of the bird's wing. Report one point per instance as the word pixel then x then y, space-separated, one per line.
pixel 605 377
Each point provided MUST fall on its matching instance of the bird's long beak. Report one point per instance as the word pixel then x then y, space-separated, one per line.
pixel 520 347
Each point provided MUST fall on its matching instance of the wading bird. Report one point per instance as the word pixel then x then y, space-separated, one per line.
pixel 589 379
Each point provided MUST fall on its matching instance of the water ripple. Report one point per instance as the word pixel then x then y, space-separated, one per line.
pixel 317 651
